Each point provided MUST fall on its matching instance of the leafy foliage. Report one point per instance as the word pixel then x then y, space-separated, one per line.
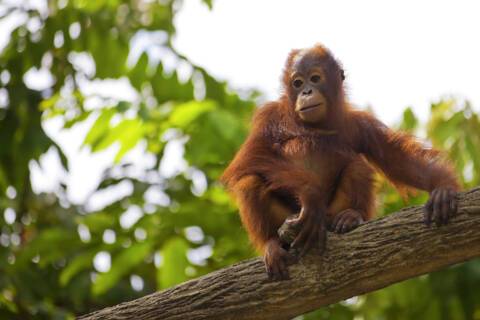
pixel 60 258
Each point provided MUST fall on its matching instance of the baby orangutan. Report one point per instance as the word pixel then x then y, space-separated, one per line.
pixel 311 152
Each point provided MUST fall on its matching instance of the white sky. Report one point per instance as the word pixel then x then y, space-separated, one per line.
pixel 395 54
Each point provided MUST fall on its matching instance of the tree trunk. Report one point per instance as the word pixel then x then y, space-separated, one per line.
pixel 375 255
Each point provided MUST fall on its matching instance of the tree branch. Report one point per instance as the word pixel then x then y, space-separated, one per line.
pixel 375 255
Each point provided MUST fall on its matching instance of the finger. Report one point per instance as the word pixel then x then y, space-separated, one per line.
pixel 437 203
pixel 336 219
pixel 333 224
pixel 269 271
pixel 360 219
pixel 453 202
pixel 427 216
pixel 283 270
pixel 349 225
pixel 309 243
pixel 429 203
pixel 288 257
pixel 294 222
pixel 302 215
pixel 299 220
pixel 428 210
pixel 338 226
pixel 341 221
pixel 276 271
pixel 450 208
pixel 322 239
pixel 301 237
pixel 454 205
pixel 445 207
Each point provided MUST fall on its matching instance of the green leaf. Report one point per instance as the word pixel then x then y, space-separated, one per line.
pixel 472 151
pixel 7 304
pixel 127 132
pixel 410 121
pixel 61 154
pixel 127 142
pixel 213 139
pixel 225 124
pixel 215 90
pixel 122 264
pixel 81 117
pixel 82 261
pixel 109 51
pixel 137 75
pixel 209 3
pixel 60 239
pixel 84 4
pixel 184 114
pixel 100 127
pixel 441 131
pixel 168 88
pixel 174 254
pixel 98 221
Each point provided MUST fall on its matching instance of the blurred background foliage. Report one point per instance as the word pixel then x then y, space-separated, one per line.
pixel 60 258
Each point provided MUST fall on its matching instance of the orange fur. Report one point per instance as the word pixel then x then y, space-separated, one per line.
pixel 285 163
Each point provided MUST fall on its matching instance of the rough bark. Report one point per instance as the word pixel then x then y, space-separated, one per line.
pixel 375 255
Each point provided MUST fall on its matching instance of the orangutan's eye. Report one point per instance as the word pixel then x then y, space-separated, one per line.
pixel 297 83
pixel 315 78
